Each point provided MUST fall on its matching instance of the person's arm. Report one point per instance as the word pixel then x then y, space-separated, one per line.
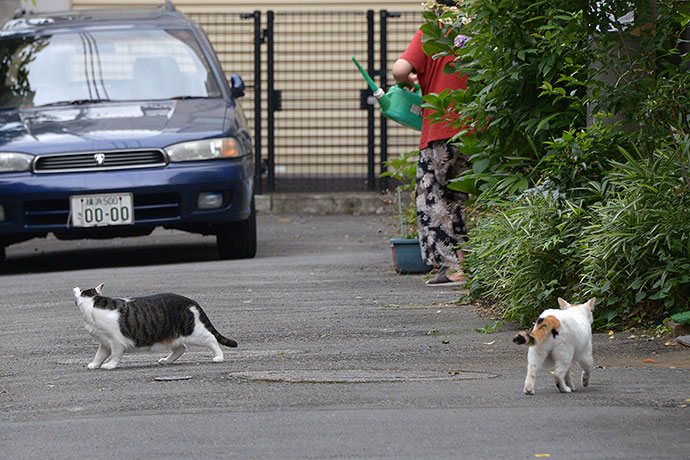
pixel 404 72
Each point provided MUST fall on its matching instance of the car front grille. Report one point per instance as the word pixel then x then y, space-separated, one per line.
pixel 99 161
pixel 147 208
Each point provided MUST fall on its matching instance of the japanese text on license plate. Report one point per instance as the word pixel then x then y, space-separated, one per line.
pixel 104 209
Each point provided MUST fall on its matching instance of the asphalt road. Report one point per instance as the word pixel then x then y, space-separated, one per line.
pixel 339 357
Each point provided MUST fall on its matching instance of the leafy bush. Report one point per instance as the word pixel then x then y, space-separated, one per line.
pixel 515 46
pixel 589 113
pixel 637 249
pixel 527 253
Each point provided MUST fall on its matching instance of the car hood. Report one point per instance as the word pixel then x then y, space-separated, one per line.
pixel 109 126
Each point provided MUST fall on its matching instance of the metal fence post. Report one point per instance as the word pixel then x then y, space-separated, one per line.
pixel 371 139
pixel 258 40
pixel 270 81
pixel 384 84
pixel 382 73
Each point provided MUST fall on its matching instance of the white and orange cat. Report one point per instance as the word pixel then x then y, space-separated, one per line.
pixel 563 336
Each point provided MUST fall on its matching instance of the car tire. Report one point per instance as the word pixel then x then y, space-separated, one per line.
pixel 237 240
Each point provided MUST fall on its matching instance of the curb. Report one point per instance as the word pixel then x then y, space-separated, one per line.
pixel 339 203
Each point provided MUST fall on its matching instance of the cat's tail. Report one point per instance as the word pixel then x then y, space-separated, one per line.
pixel 544 327
pixel 219 337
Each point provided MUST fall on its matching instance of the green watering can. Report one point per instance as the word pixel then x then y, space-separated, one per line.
pixel 398 104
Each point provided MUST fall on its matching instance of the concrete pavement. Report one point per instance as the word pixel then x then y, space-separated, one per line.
pixel 339 357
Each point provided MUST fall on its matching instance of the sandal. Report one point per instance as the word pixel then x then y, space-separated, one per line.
pixel 442 278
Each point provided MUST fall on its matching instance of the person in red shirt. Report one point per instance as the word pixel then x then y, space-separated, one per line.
pixel 440 218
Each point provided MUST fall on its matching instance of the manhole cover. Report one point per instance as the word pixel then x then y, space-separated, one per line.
pixel 357 376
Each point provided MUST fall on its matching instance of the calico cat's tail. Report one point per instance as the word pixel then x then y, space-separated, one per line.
pixel 219 337
pixel 544 327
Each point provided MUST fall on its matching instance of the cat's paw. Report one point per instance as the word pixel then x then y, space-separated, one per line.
pixel 93 365
pixel 217 359
pixel 109 365
pixel 585 380
pixel 563 388
pixel 529 391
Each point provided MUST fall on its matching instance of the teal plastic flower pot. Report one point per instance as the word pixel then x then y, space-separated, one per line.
pixel 407 256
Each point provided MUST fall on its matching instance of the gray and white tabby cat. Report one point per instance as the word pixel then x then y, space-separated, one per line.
pixel 168 321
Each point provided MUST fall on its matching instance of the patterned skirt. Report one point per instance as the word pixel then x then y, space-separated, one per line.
pixel 440 219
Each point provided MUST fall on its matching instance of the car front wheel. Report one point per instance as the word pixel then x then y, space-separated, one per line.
pixel 237 240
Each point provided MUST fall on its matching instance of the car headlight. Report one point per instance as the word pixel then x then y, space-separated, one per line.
pixel 11 161
pixel 208 149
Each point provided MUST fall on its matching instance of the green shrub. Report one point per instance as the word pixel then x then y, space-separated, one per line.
pixel 526 253
pixel 515 46
pixel 637 248
pixel 591 116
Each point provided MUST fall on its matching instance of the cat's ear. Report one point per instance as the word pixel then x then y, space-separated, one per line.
pixel 99 288
pixel 590 303
pixel 76 291
pixel 563 304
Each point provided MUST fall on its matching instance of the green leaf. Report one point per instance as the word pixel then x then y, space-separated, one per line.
pixel 479 166
pixel 545 121
pixel 466 185
pixel 431 30
pixel 606 286
pixel 431 48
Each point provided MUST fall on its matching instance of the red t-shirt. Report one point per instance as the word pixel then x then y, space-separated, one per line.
pixel 432 80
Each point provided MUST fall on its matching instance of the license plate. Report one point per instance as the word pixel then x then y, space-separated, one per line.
pixel 103 209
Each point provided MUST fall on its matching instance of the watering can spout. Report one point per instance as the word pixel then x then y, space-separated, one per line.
pixel 366 76
pixel 379 93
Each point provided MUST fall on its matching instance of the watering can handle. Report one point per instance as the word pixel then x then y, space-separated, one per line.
pixel 415 89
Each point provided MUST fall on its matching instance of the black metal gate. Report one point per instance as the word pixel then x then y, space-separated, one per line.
pixel 316 125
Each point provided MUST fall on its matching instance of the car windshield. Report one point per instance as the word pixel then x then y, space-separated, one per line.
pixel 112 65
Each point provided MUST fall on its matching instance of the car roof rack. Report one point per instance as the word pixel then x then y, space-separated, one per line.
pixel 21 12
pixel 27 19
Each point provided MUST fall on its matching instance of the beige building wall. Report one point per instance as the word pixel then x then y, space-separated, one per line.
pixel 230 6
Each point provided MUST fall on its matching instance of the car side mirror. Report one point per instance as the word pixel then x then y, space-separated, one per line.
pixel 236 85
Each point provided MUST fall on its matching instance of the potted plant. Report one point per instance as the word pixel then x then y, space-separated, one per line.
pixel 407 255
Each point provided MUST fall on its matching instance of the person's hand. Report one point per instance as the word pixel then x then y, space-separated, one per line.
pixel 409 82
pixel 412 79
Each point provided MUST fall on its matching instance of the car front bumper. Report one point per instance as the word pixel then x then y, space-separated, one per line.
pixel 38 204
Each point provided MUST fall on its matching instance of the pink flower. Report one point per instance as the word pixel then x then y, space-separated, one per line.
pixel 461 40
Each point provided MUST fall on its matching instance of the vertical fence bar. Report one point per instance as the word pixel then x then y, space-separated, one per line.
pixel 371 123
pixel 258 165
pixel 382 73
pixel 270 82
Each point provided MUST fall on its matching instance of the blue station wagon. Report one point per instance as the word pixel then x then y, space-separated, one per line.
pixel 115 122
